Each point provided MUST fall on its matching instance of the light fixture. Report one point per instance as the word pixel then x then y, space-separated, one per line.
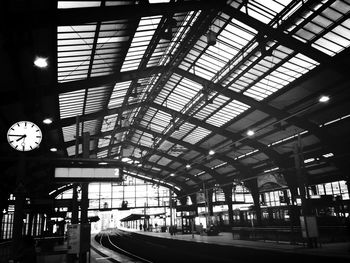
pixel 168 31
pixel 102 163
pixel 211 152
pixel 323 98
pixel 211 38
pixel 250 132
pixel 40 62
pixel 4 211
pixel 53 149
pixel 47 121
pixel 172 174
pixel 188 166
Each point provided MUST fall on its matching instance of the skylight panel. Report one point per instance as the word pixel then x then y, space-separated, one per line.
pixel 144 139
pixel 333 43
pixel 102 154
pixel 78 41
pixel 71 150
pixel 283 75
pixel 91 126
pixel 208 109
pixel 161 118
pixel 146 23
pixel 103 142
pixel 196 135
pixel 227 113
pixel 96 99
pixel 109 122
pixel 208 62
pixel 184 129
pixel 164 161
pixel 69 133
pixel 111 37
pixel 118 94
pixel 265 10
pixel 71 103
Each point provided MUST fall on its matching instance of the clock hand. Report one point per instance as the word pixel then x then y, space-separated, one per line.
pixel 17 135
pixel 20 138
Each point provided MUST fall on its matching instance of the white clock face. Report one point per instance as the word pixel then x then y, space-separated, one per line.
pixel 24 136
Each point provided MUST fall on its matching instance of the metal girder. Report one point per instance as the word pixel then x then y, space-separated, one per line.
pixel 198 28
pixel 177 159
pixel 213 173
pixel 233 136
pixel 277 34
pixel 162 154
pixel 78 16
pixel 242 168
pixel 95 161
pixel 264 107
pixel 94 82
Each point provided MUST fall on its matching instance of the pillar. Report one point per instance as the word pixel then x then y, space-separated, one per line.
pixel 210 202
pixel 254 190
pixel 194 203
pixel 19 194
pixel 75 207
pixel 302 184
pixel 227 189
pixel 85 186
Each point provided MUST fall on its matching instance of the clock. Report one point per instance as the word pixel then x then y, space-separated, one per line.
pixel 24 136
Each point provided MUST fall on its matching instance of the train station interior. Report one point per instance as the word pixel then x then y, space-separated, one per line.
pixel 174 131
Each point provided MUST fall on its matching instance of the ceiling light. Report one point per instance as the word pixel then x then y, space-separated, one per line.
pixel 53 149
pixel 188 166
pixel 323 98
pixel 211 38
pixel 102 163
pixel 47 121
pixel 250 132
pixel 172 174
pixel 40 62
pixel 211 152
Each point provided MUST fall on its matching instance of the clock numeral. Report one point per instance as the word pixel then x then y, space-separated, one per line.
pixel 36 142
pixel 32 125
pixel 12 129
pixel 37 130
pixel 31 147
pixel 38 136
pixel 16 146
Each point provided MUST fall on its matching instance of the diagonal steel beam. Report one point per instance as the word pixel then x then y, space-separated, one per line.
pixel 78 16
pixel 277 34
pixel 109 79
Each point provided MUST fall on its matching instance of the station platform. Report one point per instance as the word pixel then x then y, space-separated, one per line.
pixel 333 250
pixel 100 254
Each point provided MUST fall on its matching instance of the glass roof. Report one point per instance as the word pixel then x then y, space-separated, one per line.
pixel 154 96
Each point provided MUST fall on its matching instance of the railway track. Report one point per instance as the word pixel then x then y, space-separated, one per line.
pixel 104 239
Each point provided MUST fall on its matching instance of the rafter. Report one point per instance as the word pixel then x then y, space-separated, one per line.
pixel 277 34
pixel 78 16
